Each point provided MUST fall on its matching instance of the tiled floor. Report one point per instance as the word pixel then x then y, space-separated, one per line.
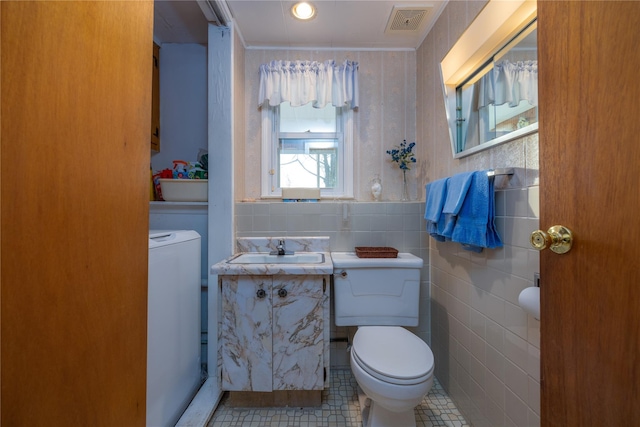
pixel 340 408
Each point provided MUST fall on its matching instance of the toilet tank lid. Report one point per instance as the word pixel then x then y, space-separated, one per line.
pixel 351 260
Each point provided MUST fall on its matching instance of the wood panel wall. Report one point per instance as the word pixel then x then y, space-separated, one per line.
pixel 74 156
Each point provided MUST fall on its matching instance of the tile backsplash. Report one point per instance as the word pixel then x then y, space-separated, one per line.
pixel 348 224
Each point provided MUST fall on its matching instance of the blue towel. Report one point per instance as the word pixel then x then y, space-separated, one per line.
pixel 456 193
pixel 475 224
pixel 436 194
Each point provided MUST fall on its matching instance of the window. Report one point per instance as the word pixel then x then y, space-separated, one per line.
pixel 307 147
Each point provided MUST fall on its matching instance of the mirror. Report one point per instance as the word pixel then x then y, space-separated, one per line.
pixel 490 79
pixel 500 101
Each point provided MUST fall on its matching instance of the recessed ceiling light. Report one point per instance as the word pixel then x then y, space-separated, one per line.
pixel 303 10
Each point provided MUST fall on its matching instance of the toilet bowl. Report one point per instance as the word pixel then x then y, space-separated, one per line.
pixel 394 369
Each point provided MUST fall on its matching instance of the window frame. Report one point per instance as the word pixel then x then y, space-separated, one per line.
pixel 270 141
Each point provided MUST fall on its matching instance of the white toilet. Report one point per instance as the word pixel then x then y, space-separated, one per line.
pixel 393 367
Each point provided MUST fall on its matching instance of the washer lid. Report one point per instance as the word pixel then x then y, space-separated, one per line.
pixel 158 238
pixel 393 352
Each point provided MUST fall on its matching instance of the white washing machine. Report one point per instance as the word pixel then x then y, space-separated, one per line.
pixel 173 328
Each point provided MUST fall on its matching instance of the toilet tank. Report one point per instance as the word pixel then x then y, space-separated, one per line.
pixel 376 291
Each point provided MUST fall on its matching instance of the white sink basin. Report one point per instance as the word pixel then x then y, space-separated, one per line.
pixel 266 258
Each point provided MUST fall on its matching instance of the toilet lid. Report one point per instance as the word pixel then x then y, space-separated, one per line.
pixel 393 353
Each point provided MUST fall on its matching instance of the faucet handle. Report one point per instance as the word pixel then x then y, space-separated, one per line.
pixel 282 250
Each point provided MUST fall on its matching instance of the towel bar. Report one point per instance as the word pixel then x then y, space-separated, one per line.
pixel 503 171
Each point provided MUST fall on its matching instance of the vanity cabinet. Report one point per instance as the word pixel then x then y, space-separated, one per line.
pixel 273 332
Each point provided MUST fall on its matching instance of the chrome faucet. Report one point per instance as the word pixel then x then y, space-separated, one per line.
pixel 282 250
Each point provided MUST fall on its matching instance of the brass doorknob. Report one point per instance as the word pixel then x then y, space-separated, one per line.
pixel 558 238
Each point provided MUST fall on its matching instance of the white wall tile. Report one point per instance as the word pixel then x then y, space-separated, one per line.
pixel 494 413
pixel 495 335
pixel 533 419
pixel 517 230
pixel 533 335
pixel 533 399
pixel 516 409
pixel 516 351
pixel 517 202
pixel 518 262
pixel 477 324
pixel 495 389
pixel 516 320
pixel 534 202
pixel 533 362
pixel 494 308
pixel 513 286
pixel 495 362
pixel 516 380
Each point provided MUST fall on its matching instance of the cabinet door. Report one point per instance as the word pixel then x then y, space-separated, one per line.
pixel 298 342
pixel 246 331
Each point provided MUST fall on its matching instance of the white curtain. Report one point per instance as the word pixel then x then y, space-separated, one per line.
pixel 301 82
pixel 509 82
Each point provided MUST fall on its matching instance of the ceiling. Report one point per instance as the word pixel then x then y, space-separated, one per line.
pixel 339 24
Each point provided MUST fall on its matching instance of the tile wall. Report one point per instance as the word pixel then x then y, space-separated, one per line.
pixel 487 350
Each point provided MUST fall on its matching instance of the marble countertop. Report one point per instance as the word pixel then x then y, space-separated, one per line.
pixel 224 267
pixel 266 244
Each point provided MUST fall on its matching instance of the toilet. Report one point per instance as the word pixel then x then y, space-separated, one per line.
pixel 392 366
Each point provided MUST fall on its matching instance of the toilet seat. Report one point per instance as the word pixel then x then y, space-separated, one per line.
pixel 392 354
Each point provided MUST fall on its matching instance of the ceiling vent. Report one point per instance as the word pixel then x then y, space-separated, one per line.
pixel 407 20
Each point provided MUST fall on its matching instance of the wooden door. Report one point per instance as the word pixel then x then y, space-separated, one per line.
pixel 590 182
pixel 76 91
